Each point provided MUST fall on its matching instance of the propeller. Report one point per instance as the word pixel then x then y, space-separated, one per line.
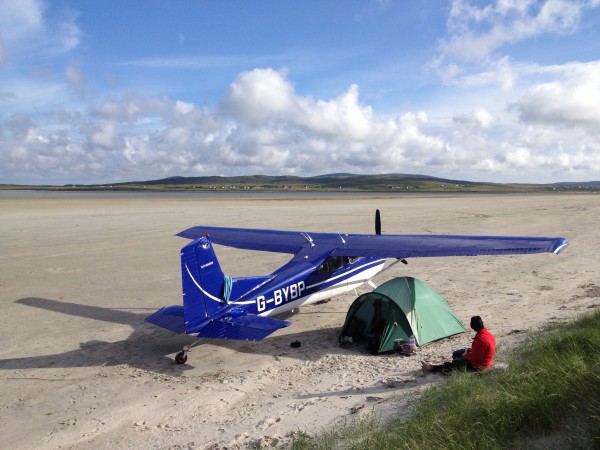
pixel 378 229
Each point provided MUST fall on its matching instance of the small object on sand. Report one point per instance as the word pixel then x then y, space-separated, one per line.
pixel 426 367
pixel 405 348
pixel 356 408
pixel 409 348
pixel 295 344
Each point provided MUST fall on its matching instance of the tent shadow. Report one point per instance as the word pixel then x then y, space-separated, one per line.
pixel 151 348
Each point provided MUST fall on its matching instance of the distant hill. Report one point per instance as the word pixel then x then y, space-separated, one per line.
pixel 319 182
pixel 581 185
pixel 348 182
pixel 328 182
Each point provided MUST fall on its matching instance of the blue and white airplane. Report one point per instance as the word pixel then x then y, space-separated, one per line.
pixel 323 265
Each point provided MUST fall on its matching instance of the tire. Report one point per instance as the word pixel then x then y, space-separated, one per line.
pixel 181 358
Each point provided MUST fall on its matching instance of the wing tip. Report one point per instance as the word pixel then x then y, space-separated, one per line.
pixel 560 246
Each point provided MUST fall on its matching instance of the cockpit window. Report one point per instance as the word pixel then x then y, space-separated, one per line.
pixel 333 263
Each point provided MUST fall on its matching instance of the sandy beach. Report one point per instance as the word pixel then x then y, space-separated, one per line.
pixel 79 367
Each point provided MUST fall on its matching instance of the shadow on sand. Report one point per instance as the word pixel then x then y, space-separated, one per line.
pixel 151 348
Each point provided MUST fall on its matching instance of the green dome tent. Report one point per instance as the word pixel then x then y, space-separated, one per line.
pixel 397 309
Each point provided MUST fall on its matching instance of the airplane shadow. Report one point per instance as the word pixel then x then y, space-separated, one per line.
pixel 151 348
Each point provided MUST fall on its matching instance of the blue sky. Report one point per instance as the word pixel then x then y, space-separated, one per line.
pixel 100 92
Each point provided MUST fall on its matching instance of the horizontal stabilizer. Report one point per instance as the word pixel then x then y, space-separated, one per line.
pixel 246 327
pixel 169 317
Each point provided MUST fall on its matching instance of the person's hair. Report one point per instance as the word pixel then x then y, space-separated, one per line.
pixel 477 323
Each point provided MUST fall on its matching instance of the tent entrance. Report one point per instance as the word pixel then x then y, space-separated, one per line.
pixel 375 318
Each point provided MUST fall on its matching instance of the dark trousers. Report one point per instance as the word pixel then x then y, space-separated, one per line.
pixel 456 364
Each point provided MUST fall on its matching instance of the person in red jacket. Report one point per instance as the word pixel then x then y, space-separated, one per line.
pixel 479 357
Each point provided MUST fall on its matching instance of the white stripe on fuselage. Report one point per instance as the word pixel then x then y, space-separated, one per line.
pixel 361 269
pixel 343 286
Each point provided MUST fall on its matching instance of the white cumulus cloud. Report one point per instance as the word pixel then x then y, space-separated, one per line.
pixel 263 126
pixel 475 30
pixel 571 100
pixel 28 33
pixel 471 51
pixel 479 118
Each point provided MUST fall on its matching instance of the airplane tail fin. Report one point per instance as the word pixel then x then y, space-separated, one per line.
pixel 206 293
pixel 205 287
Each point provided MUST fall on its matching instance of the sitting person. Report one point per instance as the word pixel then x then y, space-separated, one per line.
pixel 479 357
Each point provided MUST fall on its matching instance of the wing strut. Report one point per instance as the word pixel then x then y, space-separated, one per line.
pixel 309 239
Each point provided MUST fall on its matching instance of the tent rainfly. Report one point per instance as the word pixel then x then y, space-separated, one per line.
pixel 397 309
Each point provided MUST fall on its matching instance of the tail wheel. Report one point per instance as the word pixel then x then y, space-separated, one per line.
pixel 181 357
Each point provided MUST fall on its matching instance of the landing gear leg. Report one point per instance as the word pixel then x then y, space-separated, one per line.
pixel 181 357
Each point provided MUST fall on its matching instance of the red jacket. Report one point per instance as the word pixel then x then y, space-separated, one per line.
pixel 482 351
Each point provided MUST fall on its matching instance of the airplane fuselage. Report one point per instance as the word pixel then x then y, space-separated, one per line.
pixel 295 291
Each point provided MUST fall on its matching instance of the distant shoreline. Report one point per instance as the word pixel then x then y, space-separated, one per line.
pixel 42 194
pixel 390 184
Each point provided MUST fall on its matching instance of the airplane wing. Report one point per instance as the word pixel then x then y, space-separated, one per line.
pixel 376 246
pixel 250 238
pixel 418 246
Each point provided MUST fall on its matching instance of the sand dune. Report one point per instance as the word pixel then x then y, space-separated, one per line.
pixel 79 368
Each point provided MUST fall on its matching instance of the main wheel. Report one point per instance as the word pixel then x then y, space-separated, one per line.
pixel 181 357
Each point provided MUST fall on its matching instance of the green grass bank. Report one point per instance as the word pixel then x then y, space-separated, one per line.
pixel 549 397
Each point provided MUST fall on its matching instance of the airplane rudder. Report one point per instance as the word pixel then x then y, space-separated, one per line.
pixel 210 270
pixel 206 279
pixel 193 296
